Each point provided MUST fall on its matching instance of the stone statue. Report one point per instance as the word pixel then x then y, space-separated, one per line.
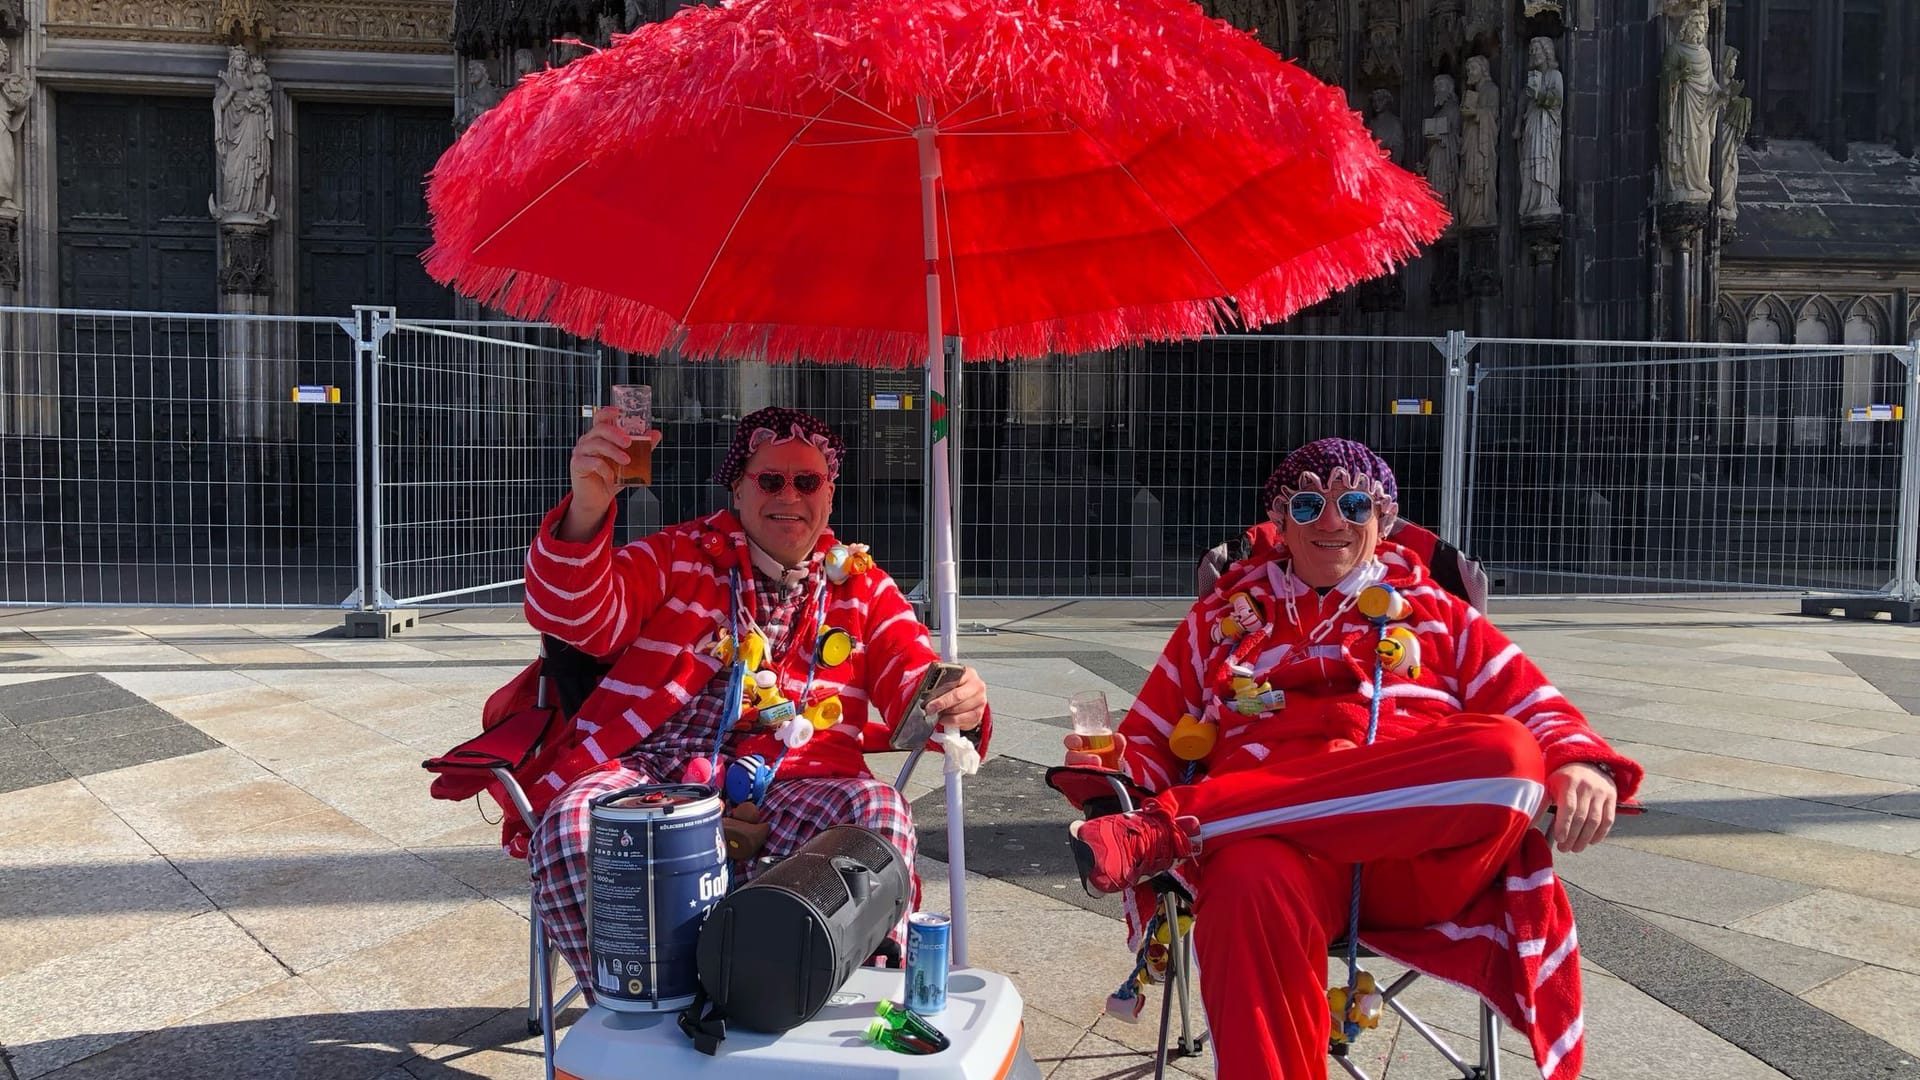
pixel 1381 61
pixel 1322 33
pixel 1735 117
pixel 243 134
pixel 1539 132
pixel 479 95
pixel 1479 136
pixel 1442 133
pixel 1445 32
pixel 523 65
pixel 244 21
pixel 1692 100
pixel 15 93
pixel 1384 123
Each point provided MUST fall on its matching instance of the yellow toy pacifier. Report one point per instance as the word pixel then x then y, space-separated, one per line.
pixel 1192 738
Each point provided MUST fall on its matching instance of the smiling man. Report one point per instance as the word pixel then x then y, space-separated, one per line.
pixel 833 650
pixel 1252 733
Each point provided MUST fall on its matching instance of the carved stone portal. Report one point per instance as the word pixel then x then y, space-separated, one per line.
pixel 1692 100
pixel 15 93
pixel 245 22
pixel 1538 132
pixel 1381 62
pixel 246 263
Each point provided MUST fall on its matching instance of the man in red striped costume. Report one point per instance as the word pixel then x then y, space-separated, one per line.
pixel 1264 822
pixel 667 608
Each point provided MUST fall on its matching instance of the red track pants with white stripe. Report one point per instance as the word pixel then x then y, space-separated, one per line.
pixel 1431 818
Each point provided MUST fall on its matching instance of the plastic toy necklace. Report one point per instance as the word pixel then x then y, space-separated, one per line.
pixel 1374 572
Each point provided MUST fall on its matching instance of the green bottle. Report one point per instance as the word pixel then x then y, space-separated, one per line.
pixel 879 1034
pixel 902 1018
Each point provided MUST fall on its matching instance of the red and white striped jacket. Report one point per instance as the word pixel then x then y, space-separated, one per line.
pixel 1515 945
pixel 657 604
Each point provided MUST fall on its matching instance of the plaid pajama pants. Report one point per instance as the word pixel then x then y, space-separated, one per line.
pixel 797 810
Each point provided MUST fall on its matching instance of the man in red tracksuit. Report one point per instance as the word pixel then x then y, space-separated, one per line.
pixel 1253 731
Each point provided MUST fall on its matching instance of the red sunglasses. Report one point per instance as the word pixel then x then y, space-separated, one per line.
pixel 773 482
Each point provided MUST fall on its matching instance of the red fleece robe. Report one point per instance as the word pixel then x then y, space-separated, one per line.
pixel 1284 808
pixel 656 606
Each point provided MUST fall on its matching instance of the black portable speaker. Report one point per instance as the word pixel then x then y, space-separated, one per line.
pixel 776 948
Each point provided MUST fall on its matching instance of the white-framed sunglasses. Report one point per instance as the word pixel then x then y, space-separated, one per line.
pixel 1306 507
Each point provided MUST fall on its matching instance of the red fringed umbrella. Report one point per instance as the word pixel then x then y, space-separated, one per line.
pixel 853 180
pixel 747 180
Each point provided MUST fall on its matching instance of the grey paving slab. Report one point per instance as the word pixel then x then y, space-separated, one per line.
pixel 1895 678
pixel 227 702
pixel 31 769
pixel 283 1031
pixel 102 698
pixel 1834 824
pixel 161 687
pixel 310 909
pixel 1889 767
pixel 1877 1000
pixel 24 693
pixel 1623 684
pixel 1784 663
pixel 1758 776
pixel 95 727
pixel 1634 1036
pixel 1749 723
pixel 1903 745
pixel 433 973
pixel 1906 804
pixel 386 790
pixel 1785 1033
pixel 286 738
pixel 63 908
pixel 232 818
pixel 124 989
pixel 137 748
pixel 14 740
pixel 1673 886
pixel 173 778
pixel 1880 875
pixel 60 822
pixel 1789 967
pixel 498 1048
pixel 1873 931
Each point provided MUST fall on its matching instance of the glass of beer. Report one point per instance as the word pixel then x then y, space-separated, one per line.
pixel 1091 720
pixel 635 402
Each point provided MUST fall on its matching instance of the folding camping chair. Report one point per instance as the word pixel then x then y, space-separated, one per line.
pixel 566 678
pixel 1459 574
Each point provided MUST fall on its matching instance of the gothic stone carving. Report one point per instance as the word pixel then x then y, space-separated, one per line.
pixel 1538 132
pixel 396 26
pixel 1692 99
pixel 479 94
pixel 1442 134
pixel 245 22
pixel 1446 30
pixel 243 134
pixel 1479 135
pixel 15 93
pixel 1322 33
pixel 1735 116
pixel 246 264
pixel 13 20
pixel 1384 122
pixel 1381 62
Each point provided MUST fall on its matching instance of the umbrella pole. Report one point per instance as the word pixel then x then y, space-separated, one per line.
pixel 946 583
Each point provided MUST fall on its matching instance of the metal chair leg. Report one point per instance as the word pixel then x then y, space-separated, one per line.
pixel 1180 979
pixel 533 975
pixel 1489 1043
pixel 543 973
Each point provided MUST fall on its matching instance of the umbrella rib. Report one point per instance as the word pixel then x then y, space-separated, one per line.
pixel 867 105
pixel 1171 224
pixel 745 205
pixel 786 115
pixel 531 203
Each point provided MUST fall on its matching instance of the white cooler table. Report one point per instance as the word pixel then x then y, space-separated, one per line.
pixel 982 1019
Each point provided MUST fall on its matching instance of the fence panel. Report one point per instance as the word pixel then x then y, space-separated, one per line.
pixel 1107 475
pixel 159 459
pixel 1625 469
pixel 474 423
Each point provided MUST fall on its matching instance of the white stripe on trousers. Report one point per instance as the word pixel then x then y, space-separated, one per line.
pixel 1513 793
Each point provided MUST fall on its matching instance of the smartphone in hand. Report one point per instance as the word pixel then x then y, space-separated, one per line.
pixel 916 727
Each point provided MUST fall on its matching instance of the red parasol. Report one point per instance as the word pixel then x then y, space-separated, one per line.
pixel 854 180
pixel 747 180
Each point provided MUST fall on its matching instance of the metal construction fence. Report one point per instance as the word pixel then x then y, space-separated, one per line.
pixel 370 461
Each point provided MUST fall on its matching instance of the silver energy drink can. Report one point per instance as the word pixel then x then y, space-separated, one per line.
pixel 928 935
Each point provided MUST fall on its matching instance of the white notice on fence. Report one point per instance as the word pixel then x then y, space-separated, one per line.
pixel 316 395
pixel 1872 412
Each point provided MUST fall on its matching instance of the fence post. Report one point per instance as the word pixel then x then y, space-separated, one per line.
pixel 1453 437
pixel 1907 536
pixel 371 325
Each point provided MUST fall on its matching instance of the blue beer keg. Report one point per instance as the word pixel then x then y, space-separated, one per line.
pixel 656 865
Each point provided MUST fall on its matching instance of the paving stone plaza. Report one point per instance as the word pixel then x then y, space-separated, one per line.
pixel 219 858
